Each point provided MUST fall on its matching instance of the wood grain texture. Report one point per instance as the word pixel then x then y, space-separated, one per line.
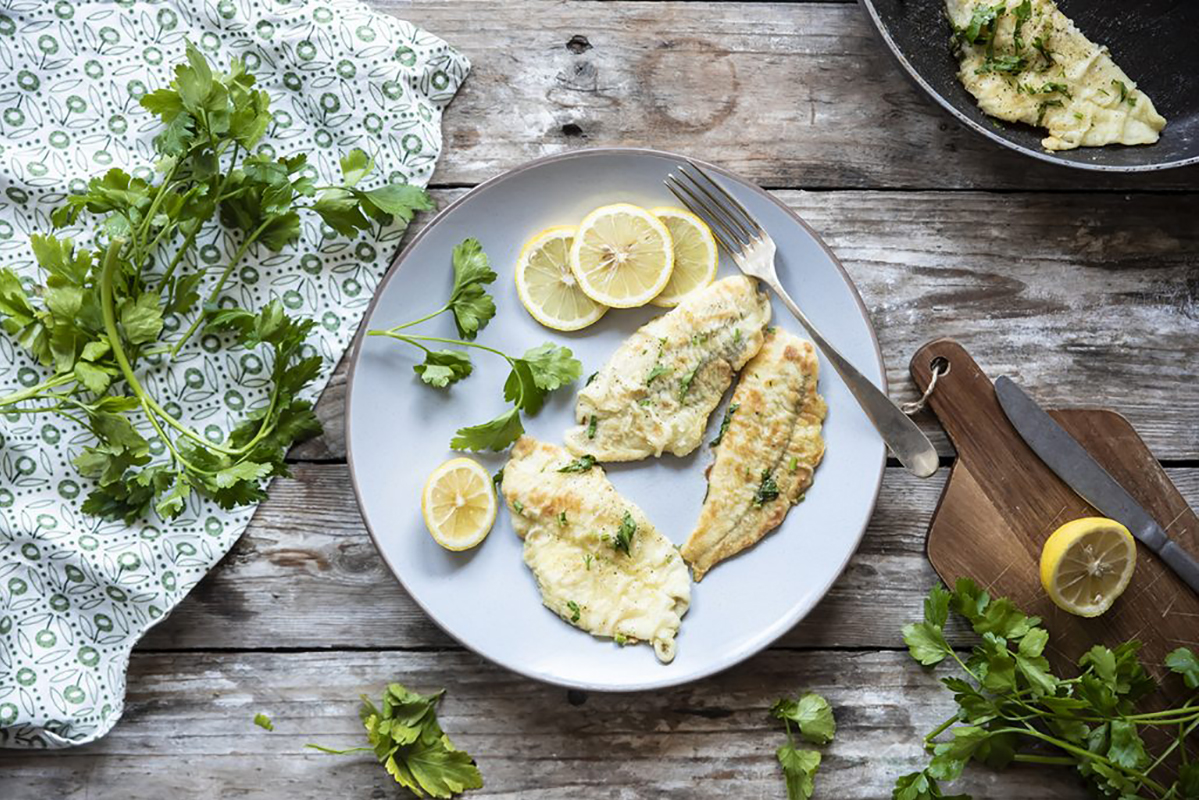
pixel 306 575
pixel 1085 299
pixel 789 94
pixel 1001 503
pixel 188 732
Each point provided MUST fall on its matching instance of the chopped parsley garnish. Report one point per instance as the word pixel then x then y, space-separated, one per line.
pixel 562 518
pixel 1009 64
pixel 793 464
pixel 1022 12
pixel 590 378
pixel 699 338
pixel 768 490
pixel 658 371
pixel 498 479
pixel 620 639
pixel 1040 45
pixel 737 335
pixel 982 26
pixel 574 609
pixel 518 507
pixel 685 385
pixel 587 561
pixel 591 428
pixel 729 409
pixel 1051 88
pixel 1126 96
pixel 645 401
pixel 1044 105
pixel 581 464
pixel 625 534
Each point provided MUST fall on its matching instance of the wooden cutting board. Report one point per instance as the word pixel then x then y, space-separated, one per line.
pixel 1001 503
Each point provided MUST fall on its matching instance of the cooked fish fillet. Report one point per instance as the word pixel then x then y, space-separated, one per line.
pixel 656 392
pixel 766 455
pixel 574 523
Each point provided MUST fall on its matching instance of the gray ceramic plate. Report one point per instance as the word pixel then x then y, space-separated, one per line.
pixel 1153 41
pixel 398 430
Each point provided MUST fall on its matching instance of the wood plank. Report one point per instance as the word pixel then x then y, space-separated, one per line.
pixel 188 731
pixel 1086 300
pixel 790 94
pixel 306 575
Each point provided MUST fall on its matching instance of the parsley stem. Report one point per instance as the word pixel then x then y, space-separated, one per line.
pixel 1029 758
pixel 1174 745
pixel 216 290
pixel 149 404
pixel 1079 751
pixel 940 729
pixel 191 237
pixel 34 391
pixel 425 318
pixel 413 339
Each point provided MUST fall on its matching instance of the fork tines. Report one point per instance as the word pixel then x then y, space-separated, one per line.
pixel 729 220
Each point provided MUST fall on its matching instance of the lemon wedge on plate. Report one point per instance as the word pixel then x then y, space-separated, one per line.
pixel 458 504
pixel 695 251
pixel 1086 564
pixel 548 288
pixel 622 255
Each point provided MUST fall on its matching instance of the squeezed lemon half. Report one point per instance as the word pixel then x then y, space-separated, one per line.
pixel 458 504
pixel 548 288
pixel 622 255
pixel 695 253
pixel 1086 565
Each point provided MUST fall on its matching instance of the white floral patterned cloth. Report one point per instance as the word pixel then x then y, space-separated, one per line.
pixel 77 593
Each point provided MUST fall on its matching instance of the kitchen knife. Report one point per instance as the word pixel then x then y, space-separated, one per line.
pixel 1067 458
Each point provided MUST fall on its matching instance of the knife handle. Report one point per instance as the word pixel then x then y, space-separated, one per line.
pixel 1179 560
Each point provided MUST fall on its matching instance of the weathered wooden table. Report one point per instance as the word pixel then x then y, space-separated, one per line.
pixel 1081 286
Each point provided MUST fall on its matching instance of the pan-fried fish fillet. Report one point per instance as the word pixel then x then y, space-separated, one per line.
pixel 573 522
pixel 656 392
pixel 766 456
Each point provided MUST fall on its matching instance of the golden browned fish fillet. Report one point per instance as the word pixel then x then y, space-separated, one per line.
pixel 658 389
pixel 765 456
pixel 599 562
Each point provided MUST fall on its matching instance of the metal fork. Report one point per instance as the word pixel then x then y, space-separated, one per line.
pixel 753 251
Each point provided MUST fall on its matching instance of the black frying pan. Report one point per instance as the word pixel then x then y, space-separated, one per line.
pixel 1154 41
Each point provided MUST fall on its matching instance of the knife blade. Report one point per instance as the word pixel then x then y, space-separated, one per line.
pixel 1068 459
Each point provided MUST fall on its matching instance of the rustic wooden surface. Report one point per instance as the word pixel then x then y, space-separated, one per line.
pixel 1082 287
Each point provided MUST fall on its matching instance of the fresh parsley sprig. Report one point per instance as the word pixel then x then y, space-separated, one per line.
pixel 408 740
pixel 532 376
pixel 813 718
pixel 100 315
pixel 1013 708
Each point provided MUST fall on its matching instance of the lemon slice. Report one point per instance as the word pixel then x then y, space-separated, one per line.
pixel 458 504
pixel 548 288
pixel 1086 564
pixel 695 251
pixel 622 255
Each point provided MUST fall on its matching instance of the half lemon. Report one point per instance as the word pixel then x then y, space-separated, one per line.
pixel 622 255
pixel 695 252
pixel 458 504
pixel 1086 565
pixel 548 288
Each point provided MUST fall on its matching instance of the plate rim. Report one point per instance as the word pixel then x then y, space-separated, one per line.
pixel 768 635
pixel 884 34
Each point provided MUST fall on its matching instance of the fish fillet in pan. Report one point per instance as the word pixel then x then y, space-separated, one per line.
pixel 766 454
pixel 658 389
pixel 599 562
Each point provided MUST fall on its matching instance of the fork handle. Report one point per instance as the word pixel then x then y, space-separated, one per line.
pixel 910 446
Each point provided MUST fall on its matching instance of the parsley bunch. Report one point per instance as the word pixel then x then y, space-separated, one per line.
pixel 107 310
pixel 813 718
pixel 406 738
pixel 534 375
pixel 1012 708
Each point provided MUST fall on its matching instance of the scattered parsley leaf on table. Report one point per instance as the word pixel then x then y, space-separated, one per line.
pixel 264 722
pixel 1013 708
pixel 408 740
pixel 813 717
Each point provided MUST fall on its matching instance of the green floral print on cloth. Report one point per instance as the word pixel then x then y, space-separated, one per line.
pixel 76 593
